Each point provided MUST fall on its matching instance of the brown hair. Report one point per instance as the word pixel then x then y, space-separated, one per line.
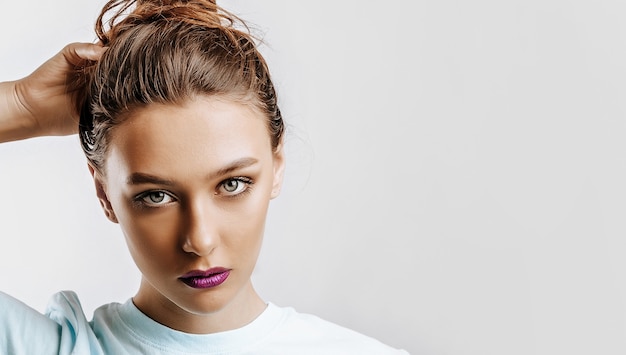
pixel 168 52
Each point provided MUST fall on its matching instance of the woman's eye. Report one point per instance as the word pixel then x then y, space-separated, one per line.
pixel 234 186
pixel 156 198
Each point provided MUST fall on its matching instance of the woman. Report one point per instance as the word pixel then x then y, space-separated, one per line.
pixel 180 125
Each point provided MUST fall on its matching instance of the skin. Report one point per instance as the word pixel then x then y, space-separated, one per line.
pixel 41 104
pixel 188 211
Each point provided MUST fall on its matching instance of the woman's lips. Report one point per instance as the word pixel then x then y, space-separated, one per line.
pixel 205 279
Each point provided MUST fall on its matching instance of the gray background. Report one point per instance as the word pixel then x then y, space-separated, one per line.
pixel 455 184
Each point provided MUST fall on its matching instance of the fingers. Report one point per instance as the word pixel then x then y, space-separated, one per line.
pixel 77 53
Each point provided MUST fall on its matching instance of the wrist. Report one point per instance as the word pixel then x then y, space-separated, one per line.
pixel 16 121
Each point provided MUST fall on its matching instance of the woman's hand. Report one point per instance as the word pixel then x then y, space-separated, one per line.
pixel 42 103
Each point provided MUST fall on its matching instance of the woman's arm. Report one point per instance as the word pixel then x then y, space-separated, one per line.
pixel 42 104
pixel 13 122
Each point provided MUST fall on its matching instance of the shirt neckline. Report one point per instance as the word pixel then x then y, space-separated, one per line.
pixel 159 336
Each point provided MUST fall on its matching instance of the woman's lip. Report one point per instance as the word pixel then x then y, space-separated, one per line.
pixel 205 278
pixel 204 273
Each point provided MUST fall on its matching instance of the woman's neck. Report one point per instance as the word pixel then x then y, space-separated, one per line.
pixel 218 315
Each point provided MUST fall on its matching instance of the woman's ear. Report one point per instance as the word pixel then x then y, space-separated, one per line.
pixel 279 170
pixel 102 195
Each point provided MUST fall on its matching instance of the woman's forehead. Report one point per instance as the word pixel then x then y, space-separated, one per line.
pixel 204 132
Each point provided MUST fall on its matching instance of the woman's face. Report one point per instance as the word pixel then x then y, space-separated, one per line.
pixel 190 186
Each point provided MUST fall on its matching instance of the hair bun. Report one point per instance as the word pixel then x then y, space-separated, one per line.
pixel 124 14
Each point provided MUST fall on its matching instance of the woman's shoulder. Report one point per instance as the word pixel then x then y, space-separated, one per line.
pixel 63 329
pixel 307 331
pixel 18 326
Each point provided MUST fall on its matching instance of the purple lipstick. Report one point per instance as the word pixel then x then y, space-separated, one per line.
pixel 212 277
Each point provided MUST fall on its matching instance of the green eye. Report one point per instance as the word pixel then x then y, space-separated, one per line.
pixel 155 198
pixel 231 185
pixel 235 186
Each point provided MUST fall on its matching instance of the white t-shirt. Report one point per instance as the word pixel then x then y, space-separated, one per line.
pixel 123 329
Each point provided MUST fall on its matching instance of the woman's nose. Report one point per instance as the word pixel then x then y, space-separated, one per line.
pixel 200 233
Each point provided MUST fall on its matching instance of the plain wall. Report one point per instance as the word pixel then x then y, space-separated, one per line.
pixel 455 183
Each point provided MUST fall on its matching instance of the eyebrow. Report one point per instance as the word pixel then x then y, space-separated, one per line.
pixel 233 166
pixel 143 178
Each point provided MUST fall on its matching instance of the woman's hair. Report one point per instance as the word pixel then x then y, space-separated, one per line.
pixel 168 52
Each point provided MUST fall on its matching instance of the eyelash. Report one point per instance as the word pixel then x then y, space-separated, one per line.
pixel 140 198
